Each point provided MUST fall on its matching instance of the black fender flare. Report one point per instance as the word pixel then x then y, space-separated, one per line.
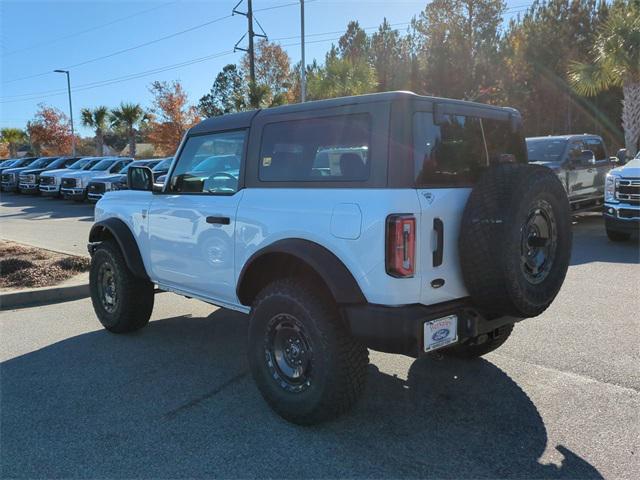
pixel 341 283
pixel 116 228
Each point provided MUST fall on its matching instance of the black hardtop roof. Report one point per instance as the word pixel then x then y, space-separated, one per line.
pixel 233 121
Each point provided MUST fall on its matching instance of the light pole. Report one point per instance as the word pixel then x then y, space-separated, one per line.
pixel 73 137
pixel 303 69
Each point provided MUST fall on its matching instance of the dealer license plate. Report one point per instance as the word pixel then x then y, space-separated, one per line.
pixel 440 332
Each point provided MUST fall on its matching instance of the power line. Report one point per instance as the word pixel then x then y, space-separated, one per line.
pixel 82 32
pixel 56 92
pixel 135 47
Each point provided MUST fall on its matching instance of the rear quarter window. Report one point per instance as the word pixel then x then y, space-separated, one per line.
pixel 318 149
pixel 457 151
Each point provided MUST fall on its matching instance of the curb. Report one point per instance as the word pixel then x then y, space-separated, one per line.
pixel 46 295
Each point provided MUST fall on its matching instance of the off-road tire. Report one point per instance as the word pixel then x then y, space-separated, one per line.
pixel 471 349
pixel 338 362
pixel 616 236
pixel 493 237
pixel 134 295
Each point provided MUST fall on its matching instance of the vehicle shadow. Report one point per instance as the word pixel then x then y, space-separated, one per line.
pixel 590 243
pixel 176 400
pixel 35 206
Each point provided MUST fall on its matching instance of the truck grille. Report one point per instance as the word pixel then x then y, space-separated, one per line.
pixel 96 188
pixel 68 183
pixel 27 179
pixel 47 181
pixel 628 190
pixel 7 177
pixel 628 213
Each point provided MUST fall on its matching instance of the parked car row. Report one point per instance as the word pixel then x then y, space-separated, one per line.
pixel 74 178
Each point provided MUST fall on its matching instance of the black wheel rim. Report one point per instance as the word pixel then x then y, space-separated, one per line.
pixel 539 242
pixel 107 290
pixel 288 353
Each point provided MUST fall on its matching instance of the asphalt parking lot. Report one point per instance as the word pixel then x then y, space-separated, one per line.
pixel 559 400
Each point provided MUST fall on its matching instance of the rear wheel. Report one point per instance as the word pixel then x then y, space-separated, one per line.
pixel 615 236
pixel 122 302
pixel 306 364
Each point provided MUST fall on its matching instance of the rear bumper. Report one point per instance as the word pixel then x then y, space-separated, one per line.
pixel 400 329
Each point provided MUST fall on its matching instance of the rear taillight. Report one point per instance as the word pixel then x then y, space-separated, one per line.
pixel 401 245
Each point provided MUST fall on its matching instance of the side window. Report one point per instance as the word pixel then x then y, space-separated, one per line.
pixel 597 148
pixel 450 154
pixel 209 164
pixel 575 150
pixel 318 149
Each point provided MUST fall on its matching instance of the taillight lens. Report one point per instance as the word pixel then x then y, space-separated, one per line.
pixel 401 245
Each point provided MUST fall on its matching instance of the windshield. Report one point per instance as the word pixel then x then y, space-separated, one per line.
pixel 79 164
pixel 90 164
pixel 102 165
pixel 163 165
pixel 546 150
pixel 139 163
pixel 43 162
pixel 7 163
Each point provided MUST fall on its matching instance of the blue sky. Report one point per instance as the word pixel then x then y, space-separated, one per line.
pixel 40 36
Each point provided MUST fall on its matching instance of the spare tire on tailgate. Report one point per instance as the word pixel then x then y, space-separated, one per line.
pixel 515 240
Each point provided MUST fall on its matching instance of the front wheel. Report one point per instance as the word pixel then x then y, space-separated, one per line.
pixel 306 364
pixel 122 302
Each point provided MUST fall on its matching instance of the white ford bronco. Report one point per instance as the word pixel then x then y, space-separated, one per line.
pixel 395 222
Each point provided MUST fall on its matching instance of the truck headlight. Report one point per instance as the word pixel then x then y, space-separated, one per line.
pixel 610 188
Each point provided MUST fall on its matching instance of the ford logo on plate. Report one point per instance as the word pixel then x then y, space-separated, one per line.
pixel 440 334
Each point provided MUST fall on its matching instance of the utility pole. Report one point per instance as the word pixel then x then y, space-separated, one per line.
pixel 251 33
pixel 73 137
pixel 303 64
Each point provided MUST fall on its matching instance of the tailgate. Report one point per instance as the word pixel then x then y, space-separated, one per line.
pixel 440 215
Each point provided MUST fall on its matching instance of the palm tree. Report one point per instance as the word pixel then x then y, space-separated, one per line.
pixel 13 137
pixel 129 116
pixel 616 63
pixel 97 119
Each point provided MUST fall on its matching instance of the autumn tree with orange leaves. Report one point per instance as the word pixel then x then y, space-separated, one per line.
pixel 171 117
pixel 50 132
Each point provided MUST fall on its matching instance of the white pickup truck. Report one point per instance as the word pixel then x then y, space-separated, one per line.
pixel 396 222
pixel 622 201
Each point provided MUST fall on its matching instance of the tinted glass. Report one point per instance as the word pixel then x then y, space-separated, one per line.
pixel 503 145
pixel 209 164
pixel 163 165
pixel 79 164
pixel 102 165
pixel 597 147
pixel 90 164
pixel 41 162
pixel 545 150
pixel 319 149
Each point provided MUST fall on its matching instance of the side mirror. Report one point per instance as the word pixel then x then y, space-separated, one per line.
pixel 140 178
pixel 587 157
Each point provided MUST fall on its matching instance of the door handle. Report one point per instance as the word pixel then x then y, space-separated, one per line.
pixel 438 253
pixel 219 220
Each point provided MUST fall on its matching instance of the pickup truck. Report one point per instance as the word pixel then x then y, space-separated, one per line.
pixel 580 161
